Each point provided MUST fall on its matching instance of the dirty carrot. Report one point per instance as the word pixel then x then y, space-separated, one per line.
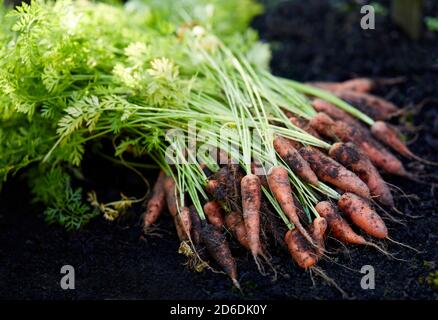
pixel 303 124
pixel 234 223
pixel 353 159
pixel 362 85
pixel 330 171
pixel 186 222
pixel 317 230
pixel 171 197
pixel 156 203
pixel 388 136
pixel 335 113
pixel 279 184
pixel 218 248
pixel 214 213
pixel 378 154
pixel 373 106
pixel 251 202
pixel 301 251
pixel 294 160
pixel 362 215
pixel 196 225
pixel 339 227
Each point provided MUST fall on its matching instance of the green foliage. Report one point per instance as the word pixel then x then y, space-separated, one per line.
pixel 73 71
pixel 65 205
pixel 432 23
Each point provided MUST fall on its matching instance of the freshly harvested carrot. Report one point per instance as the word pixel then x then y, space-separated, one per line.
pixel 335 113
pixel 317 230
pixel 330 171
pixel 353 159
pixel 305 125
pixel 362 215
pixel 214 213
pixel 234 222
pixel 171 197
pixel 219 250
pixel 378 154
pixel 182 235
pixel 363 85
pixel 300 249
pixel 373 106
pixel 294 160
pixel 388 136
pixel 279 184
pixel 196 226
pixel 251 202
pixel 340 228
pixel 156 203
pixel 212 186
pixel 186 222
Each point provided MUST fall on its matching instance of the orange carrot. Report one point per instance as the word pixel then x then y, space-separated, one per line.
pixel 317 230
pixel 305 125
pixel 212 186
pixel 186 222
pixel 279 184
pixel 377 153
pixel 340 228
pixel 373 106
pixel 362 215
pixel 156 202
pixel 257 169
pixel 353 159
pixel 171 197
pixel 388 136
pixel 214 213
pixel 336 113
pixel 363 85
pixel 234 222
pixel 182 235
pixel 251 201
pixel 294 160
pixel 218 248
pixel 330 171
pixel 301 251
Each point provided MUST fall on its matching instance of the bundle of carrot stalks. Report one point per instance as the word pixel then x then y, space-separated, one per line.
pixel 255 202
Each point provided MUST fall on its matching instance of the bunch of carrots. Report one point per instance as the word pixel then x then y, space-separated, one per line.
pixel 71 79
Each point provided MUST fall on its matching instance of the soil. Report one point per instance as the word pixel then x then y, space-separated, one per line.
pixel 312 40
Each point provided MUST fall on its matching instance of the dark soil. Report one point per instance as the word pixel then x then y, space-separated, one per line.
pixel 312 40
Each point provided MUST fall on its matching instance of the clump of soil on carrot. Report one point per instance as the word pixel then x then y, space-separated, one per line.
pixel 95 248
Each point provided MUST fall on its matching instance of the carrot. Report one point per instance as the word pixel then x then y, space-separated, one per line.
pixel 214 213
pixel 186 222
pixel 234 223
pixel 330 171
pixel 340 228
pixel 218 248
pixel 304 125
pixel 378 154
pixel 362 215
pixel 335 113
pixel 182 235
pixel 373 106
pixel 388 136
pixel 156 202
pixel 301 251
pixel 196 226
pixel 171 197
pixel 212 186
pixel 279 184
pixel 294 160
pixel 353 159
pixel 362 85
pixel 251 201
pixel 317 230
